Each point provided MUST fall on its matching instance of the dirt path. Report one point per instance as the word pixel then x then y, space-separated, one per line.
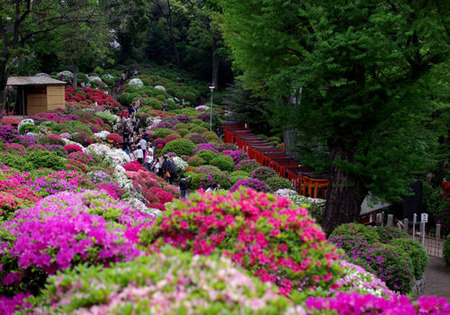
pixel 437 278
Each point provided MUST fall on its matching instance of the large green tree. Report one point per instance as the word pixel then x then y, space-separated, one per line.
pixel 362 67
pixel 24 21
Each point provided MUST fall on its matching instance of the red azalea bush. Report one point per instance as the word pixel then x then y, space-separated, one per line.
pixel 114 138
pixel 133 166
pixel 52 140
pixel 280 243
pixel 72 148
pixel 172 137
pixel 89 97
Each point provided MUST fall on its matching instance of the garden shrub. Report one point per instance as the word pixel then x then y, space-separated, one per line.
pixel 163 132
pixel 253 183
pixel 360 230
pixel 181 126
pixel 51 140
pixel 46 159
pixel 447 250
pixel 183 132
pixel 207 146
pixel 133 166
pixel 223 162
pixel 198 129
pixel 172 137
pixel 60 232
pixel 179 147
pixel 196 161
pixel 16 161
pixel 262 173
pixel 82 138
pixel 171 282
pixel 197 138
pixel 238 175
pixel 213 176
pixel 416 252
pixel 276 182
pixel 114 138
pixel 23 129
pixel 247 165
pixel 207 155
pixel 210 135
pixel 236 155
pixel 251 228
pixel 386 234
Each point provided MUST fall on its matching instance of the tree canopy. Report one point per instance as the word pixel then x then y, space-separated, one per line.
pixel 364 69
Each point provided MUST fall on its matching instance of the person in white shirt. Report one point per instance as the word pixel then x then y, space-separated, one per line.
pixel 143 144
pixel 214 187
pixel 149 160
pixel 139 154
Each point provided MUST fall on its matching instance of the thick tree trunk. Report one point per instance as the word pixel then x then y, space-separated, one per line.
pixel 345 193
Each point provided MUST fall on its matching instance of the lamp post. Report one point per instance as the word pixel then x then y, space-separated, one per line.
pixel 211 88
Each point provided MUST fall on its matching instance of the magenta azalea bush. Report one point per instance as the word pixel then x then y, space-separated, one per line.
pixel 252 183
pixel 64 230
pixel 279 243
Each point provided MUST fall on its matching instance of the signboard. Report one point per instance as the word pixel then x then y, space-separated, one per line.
pixel 424 217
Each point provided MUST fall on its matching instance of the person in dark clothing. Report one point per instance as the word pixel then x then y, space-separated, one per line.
pixel 126 134
pixel 137 125
pixel 183 186
pixel 164 168
pixel 171 169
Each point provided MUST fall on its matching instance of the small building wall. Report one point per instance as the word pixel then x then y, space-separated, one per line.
pixel 55 97
pixel 36 99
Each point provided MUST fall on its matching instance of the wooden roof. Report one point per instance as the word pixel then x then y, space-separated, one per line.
pixel 14 81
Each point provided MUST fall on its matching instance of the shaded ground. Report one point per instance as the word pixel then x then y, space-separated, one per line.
pixel 437 278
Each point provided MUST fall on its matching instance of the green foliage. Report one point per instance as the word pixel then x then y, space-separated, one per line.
pixel 180 147
pixel 447 250
pixel 45 159
pixel 416 252
pixel 207 155
pixel 276 182
pixel 16 161
pixel 238 175
pixel 223 162
pixel 196 161
pixel 360 230
pixel 27 128
pixel 198 129
pixel 386 234
pixel 183 132
pixel 163 132
pixel 107 117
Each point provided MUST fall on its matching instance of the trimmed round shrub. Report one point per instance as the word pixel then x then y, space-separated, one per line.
pixel 183 118
pixel 252 183
pixel 236 155
pixel 133 166
pixel 416 252
pixel 162 132
pixel 196 161
pixel 276 182
pixel 210 135
pixel 183 132
pixel 213 176
pixel 72 148
pixel 182 126
pixel 52 140
pixel 45 159
pixel 197 138
pixel 247 165
pixel 279 243
pixel 223 162
pixel 238 175
pixel 171 282
pixel 262 173
pixel 207 155
pixel 386 234
pixel 356 229
pixel 179 146
pixel 114 138
pixel 198 129
pixel 172 136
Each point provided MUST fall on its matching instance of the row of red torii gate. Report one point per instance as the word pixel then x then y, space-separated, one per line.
pixel 305 181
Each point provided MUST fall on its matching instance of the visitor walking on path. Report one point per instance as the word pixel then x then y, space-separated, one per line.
pixel 183 186
pixel 149 160
pixel 171 169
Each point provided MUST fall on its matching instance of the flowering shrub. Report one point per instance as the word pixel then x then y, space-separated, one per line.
pixel 416 252
pixel 236 155
pixel 184 119
pixel 56 182
pixel 182 132
pixel 247 165
pixel 90 97
pixel 171 282
pixel 223 162
pixel 82 138
pixel 133 166
pixel 204 116
pixel 72 148
pixel 172 137
pixel 266 236
pixel 159 142
pixel 209 175
pixel 252 183
pixel 58 116
pixel 180 147
pixel 197 138
pixel 15 303
pixel 84 158
pixel 180 164
pixel 163 132
pixel 100 177
pixel 386 234
pixel 59 232
pixel 196 161
pixel 51 139
pixel 354 303
pixel 114 138
pixel 206 146
pixel 262 173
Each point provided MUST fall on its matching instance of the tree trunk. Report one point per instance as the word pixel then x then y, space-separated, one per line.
pixel 3 82
pixel 215 64
pixel 345 193
pixel 172 35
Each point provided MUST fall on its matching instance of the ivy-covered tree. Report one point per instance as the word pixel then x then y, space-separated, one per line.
pixel 362 67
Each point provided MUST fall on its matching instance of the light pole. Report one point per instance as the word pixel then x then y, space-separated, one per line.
pixel 211 88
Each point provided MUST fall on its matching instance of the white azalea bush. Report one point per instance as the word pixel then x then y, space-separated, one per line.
pixel 65 75
pixel 107 117
pixel 180 164
pixel 136 83
pixel 97 149
pixel 102 134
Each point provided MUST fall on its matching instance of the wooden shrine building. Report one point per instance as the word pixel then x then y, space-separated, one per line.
pixel 37 94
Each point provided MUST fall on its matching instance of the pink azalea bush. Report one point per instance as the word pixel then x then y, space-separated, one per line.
pixel 62 231
pixel 356 304
pixel 133 166
pixel 172 282
pixel 72 148
pixel 280 243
